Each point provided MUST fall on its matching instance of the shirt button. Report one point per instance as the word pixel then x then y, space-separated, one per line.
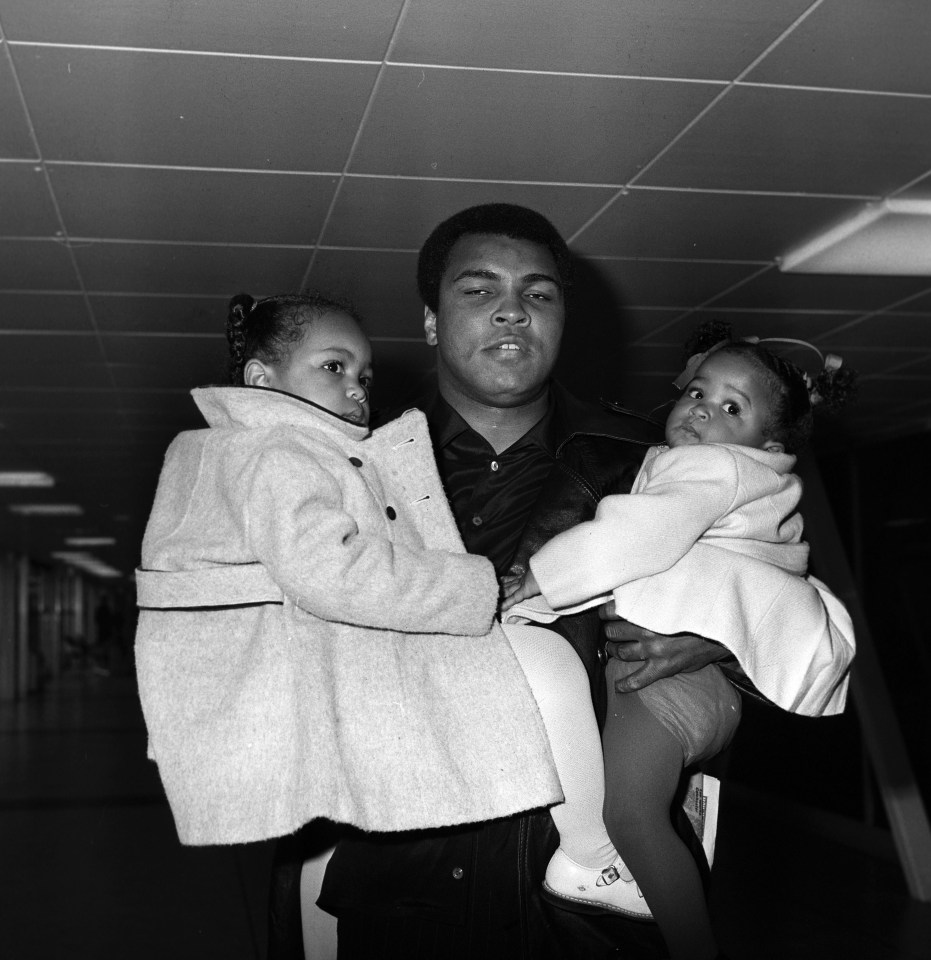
pixel 476 521
pixel 355 461
pixel 392 514
pixel 495 466
pixel 458 873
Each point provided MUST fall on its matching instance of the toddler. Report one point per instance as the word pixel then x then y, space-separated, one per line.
pixel 708 542
pixel 313 640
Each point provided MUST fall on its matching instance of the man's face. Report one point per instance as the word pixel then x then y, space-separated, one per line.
pixel 499 322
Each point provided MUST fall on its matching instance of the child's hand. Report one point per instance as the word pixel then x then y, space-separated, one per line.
pixel 518 588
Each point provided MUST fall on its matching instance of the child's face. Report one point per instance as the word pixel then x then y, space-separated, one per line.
pixel 727 401
pixel 331 366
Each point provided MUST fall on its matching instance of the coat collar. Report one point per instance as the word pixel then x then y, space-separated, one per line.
pixel 249 407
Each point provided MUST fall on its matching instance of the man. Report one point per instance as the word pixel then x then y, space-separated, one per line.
pixel 494 281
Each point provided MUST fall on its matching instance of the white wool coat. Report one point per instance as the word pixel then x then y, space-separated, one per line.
pixel 709 542
pixel 313 640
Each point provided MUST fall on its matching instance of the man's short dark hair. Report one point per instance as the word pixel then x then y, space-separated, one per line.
pixel 495 219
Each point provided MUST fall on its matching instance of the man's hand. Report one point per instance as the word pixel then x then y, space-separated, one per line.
pixel 662 656
pixel 518 588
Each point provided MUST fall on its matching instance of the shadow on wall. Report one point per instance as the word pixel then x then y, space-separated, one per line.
pixel 592 362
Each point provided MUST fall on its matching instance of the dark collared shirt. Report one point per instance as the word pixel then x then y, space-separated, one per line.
pixel 492 494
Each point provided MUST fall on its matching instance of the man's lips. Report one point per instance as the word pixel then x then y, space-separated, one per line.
pixel 510 346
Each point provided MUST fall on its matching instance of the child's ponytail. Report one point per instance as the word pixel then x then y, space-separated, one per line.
pixel 240 307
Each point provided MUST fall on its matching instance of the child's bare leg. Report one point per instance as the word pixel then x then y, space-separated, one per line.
pixel 643 764
pixel 560 686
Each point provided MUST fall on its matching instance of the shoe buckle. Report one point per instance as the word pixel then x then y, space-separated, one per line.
pixel 608 876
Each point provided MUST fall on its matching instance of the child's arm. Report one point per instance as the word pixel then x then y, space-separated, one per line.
pixel 298 527
pixel 640 534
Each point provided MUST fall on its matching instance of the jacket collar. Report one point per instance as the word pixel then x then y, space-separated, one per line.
pixel 249 407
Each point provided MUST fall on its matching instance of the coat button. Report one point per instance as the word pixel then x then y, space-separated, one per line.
pixel 392 513
pixel 477 521
pixel 355 461
pixel 458 873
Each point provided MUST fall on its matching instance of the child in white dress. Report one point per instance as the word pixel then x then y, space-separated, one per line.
pixel 708 542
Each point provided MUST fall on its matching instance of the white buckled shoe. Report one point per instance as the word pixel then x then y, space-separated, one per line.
pixel 590 890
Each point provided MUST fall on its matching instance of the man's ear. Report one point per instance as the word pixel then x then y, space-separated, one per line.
pixel 255 374
pixel 429 325
pixel 774 446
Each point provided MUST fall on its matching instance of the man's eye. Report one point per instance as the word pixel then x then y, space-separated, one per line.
pixel 732 409
pixel 334 366
pixel 365 381
pixel 694 393
pixel 538 295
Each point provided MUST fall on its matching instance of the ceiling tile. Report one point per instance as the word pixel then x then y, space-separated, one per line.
pixel 127 314
pixel 30 398
pixel 357 30
pixel 27 208
pixel 381 286
pixel 161 108
pixel 667 283
pixel 64 424
pixel 399 214
pixel 36 311
pixel 634 323
pixel 858 45
pixel 220 271
pixel 183 372
pixel 757 323
pixel 36 265
pixel 711 39
pixel 701 225
pixel 773 290
pixel 36 349
pixel 759 138
pixel 919 304
pixel 161 204
pixel 15 141
pixel 502 126
pixel 165 351
pixel 68 375
pixel 910 331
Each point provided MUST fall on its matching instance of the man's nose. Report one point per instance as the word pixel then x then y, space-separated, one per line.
pixel 511 310
pixel 699 411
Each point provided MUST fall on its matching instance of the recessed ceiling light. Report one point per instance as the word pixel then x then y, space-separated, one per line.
pixel 90 541
pixel 889 238
pixel 25 478
pixel 46 509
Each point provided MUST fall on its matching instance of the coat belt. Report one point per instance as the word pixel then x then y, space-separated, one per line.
pixel 226 586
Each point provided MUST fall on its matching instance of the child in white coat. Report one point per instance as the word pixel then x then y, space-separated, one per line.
pixel 707 542
pixel 313 640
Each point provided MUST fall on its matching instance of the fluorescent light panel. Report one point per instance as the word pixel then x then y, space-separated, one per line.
pixel 90 541
pixel 86 562
pixel 46 509
pixel 25 478
pixel 889 238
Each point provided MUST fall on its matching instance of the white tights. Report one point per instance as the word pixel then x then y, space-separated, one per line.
pixel 560 686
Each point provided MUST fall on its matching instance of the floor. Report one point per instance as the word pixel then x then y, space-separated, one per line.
pixel 90 866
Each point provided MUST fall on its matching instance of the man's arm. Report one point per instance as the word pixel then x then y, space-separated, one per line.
pixel 662 656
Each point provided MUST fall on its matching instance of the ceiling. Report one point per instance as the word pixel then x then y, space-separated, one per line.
pixel 158 156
